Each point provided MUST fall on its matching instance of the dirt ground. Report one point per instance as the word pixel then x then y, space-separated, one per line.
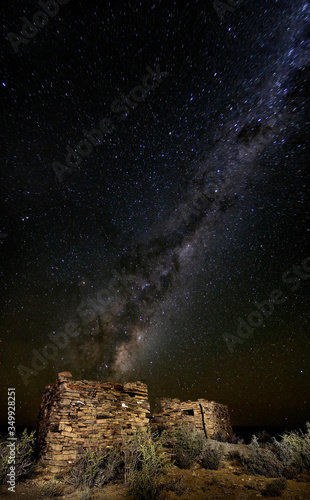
pixel 229 482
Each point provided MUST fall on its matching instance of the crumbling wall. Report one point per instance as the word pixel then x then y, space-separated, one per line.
pixel 75 414
pixel 208 416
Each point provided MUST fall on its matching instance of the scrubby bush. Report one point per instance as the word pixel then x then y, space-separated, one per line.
pixel 140 462
pixel 262 461
pixel 188 445
pixel 237 440
pixel 146 462
pixel 294 449
pixel 24 456
pixel 234 455
pixel 220 436
pixel 211 456
pixel 96 467
pixel 287 457
pixel 51 489
pixel 263 437
pixel 274 488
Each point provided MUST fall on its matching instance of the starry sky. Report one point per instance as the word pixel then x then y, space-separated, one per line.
pixel 154 220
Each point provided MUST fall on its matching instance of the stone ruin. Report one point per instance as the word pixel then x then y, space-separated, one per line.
pixel 75 414
pixel 82 414
pixel 208 416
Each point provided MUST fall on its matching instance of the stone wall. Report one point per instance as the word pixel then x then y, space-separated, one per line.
pixel 75 414
pixel 208 416
pixel 81 414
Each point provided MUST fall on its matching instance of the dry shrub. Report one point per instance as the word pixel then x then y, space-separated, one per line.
pixel 274 488
pixel 287 457
pixel 24 456
pixel 211 456
pixel 51 489
pixel 188 446
pixel 96 467
pixel 146 463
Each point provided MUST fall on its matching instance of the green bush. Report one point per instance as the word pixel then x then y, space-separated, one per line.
pixel 274 488
pixel 211 456
pixel 141 462
pixel 295 447
pixel 96 467
pixel 24 456
pixel 188 445
pixel 264 462
pixel 146 462
pixel 287 457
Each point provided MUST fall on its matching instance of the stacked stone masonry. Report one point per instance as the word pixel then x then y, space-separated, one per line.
pixel 76 414
pixel 82 414
pixel 208 416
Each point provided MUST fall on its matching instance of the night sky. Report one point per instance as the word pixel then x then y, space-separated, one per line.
pixel 155 190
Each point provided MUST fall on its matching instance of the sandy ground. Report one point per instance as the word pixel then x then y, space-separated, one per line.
pixel 229 482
